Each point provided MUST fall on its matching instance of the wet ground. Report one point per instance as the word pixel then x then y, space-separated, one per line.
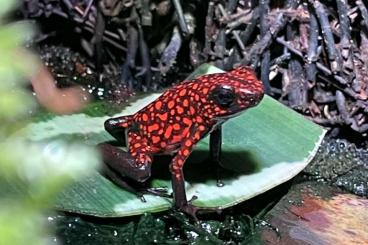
pixel 329 196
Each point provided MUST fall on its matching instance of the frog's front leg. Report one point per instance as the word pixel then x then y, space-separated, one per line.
pixel 176 167
pixel 215 152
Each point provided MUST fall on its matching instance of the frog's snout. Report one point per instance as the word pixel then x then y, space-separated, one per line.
pixel 251 96
pixel 258 96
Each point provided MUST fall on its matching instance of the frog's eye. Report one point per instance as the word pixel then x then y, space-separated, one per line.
pixel 224 96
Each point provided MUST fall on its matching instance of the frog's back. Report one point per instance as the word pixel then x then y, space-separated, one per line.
pixel 168 120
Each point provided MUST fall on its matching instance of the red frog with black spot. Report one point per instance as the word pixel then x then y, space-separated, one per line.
pixel 174 123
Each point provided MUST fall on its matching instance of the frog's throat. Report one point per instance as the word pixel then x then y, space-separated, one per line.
pixel 228 116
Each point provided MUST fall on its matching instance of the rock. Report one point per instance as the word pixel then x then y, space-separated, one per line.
pixel 313 213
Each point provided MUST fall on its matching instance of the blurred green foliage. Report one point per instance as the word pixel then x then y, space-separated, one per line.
pixel 31 174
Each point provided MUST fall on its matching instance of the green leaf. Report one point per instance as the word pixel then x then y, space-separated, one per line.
pixel 265 147
pixel 6 6
pixel 15 103
pixel 15 34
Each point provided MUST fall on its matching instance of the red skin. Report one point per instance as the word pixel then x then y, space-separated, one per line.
pixel 183 115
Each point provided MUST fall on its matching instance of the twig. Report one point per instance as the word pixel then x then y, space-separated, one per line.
pixel 219 48
pixel 181 18
pixel 259 47
pixel 245 35
pixel 298 87
pixel 170 53
pixel 108 40
pixel 231 5
pixel 145 59
pixel 341 106
pixel 208 31
pixel 363 11
pixel 98 38
pixel 266 56
pixel 312 55
pixel 327 34
pixel 234 33
pixel 129 63
pixel 86 11
pixel 345 37
pixel 319 66
pixel 146 15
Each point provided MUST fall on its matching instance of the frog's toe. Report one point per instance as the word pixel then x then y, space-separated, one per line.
pixel 220 183
pixel 193 210
pixel 141 196
pixel 160 191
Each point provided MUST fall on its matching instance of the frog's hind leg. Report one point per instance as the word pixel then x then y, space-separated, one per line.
pixel 121 168
pixel 123 163
pixel 117 128
pixel 124 168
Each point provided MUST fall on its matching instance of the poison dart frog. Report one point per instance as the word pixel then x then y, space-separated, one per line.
pixel 174 123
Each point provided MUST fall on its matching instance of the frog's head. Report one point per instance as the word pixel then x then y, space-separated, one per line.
pixel 237 91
